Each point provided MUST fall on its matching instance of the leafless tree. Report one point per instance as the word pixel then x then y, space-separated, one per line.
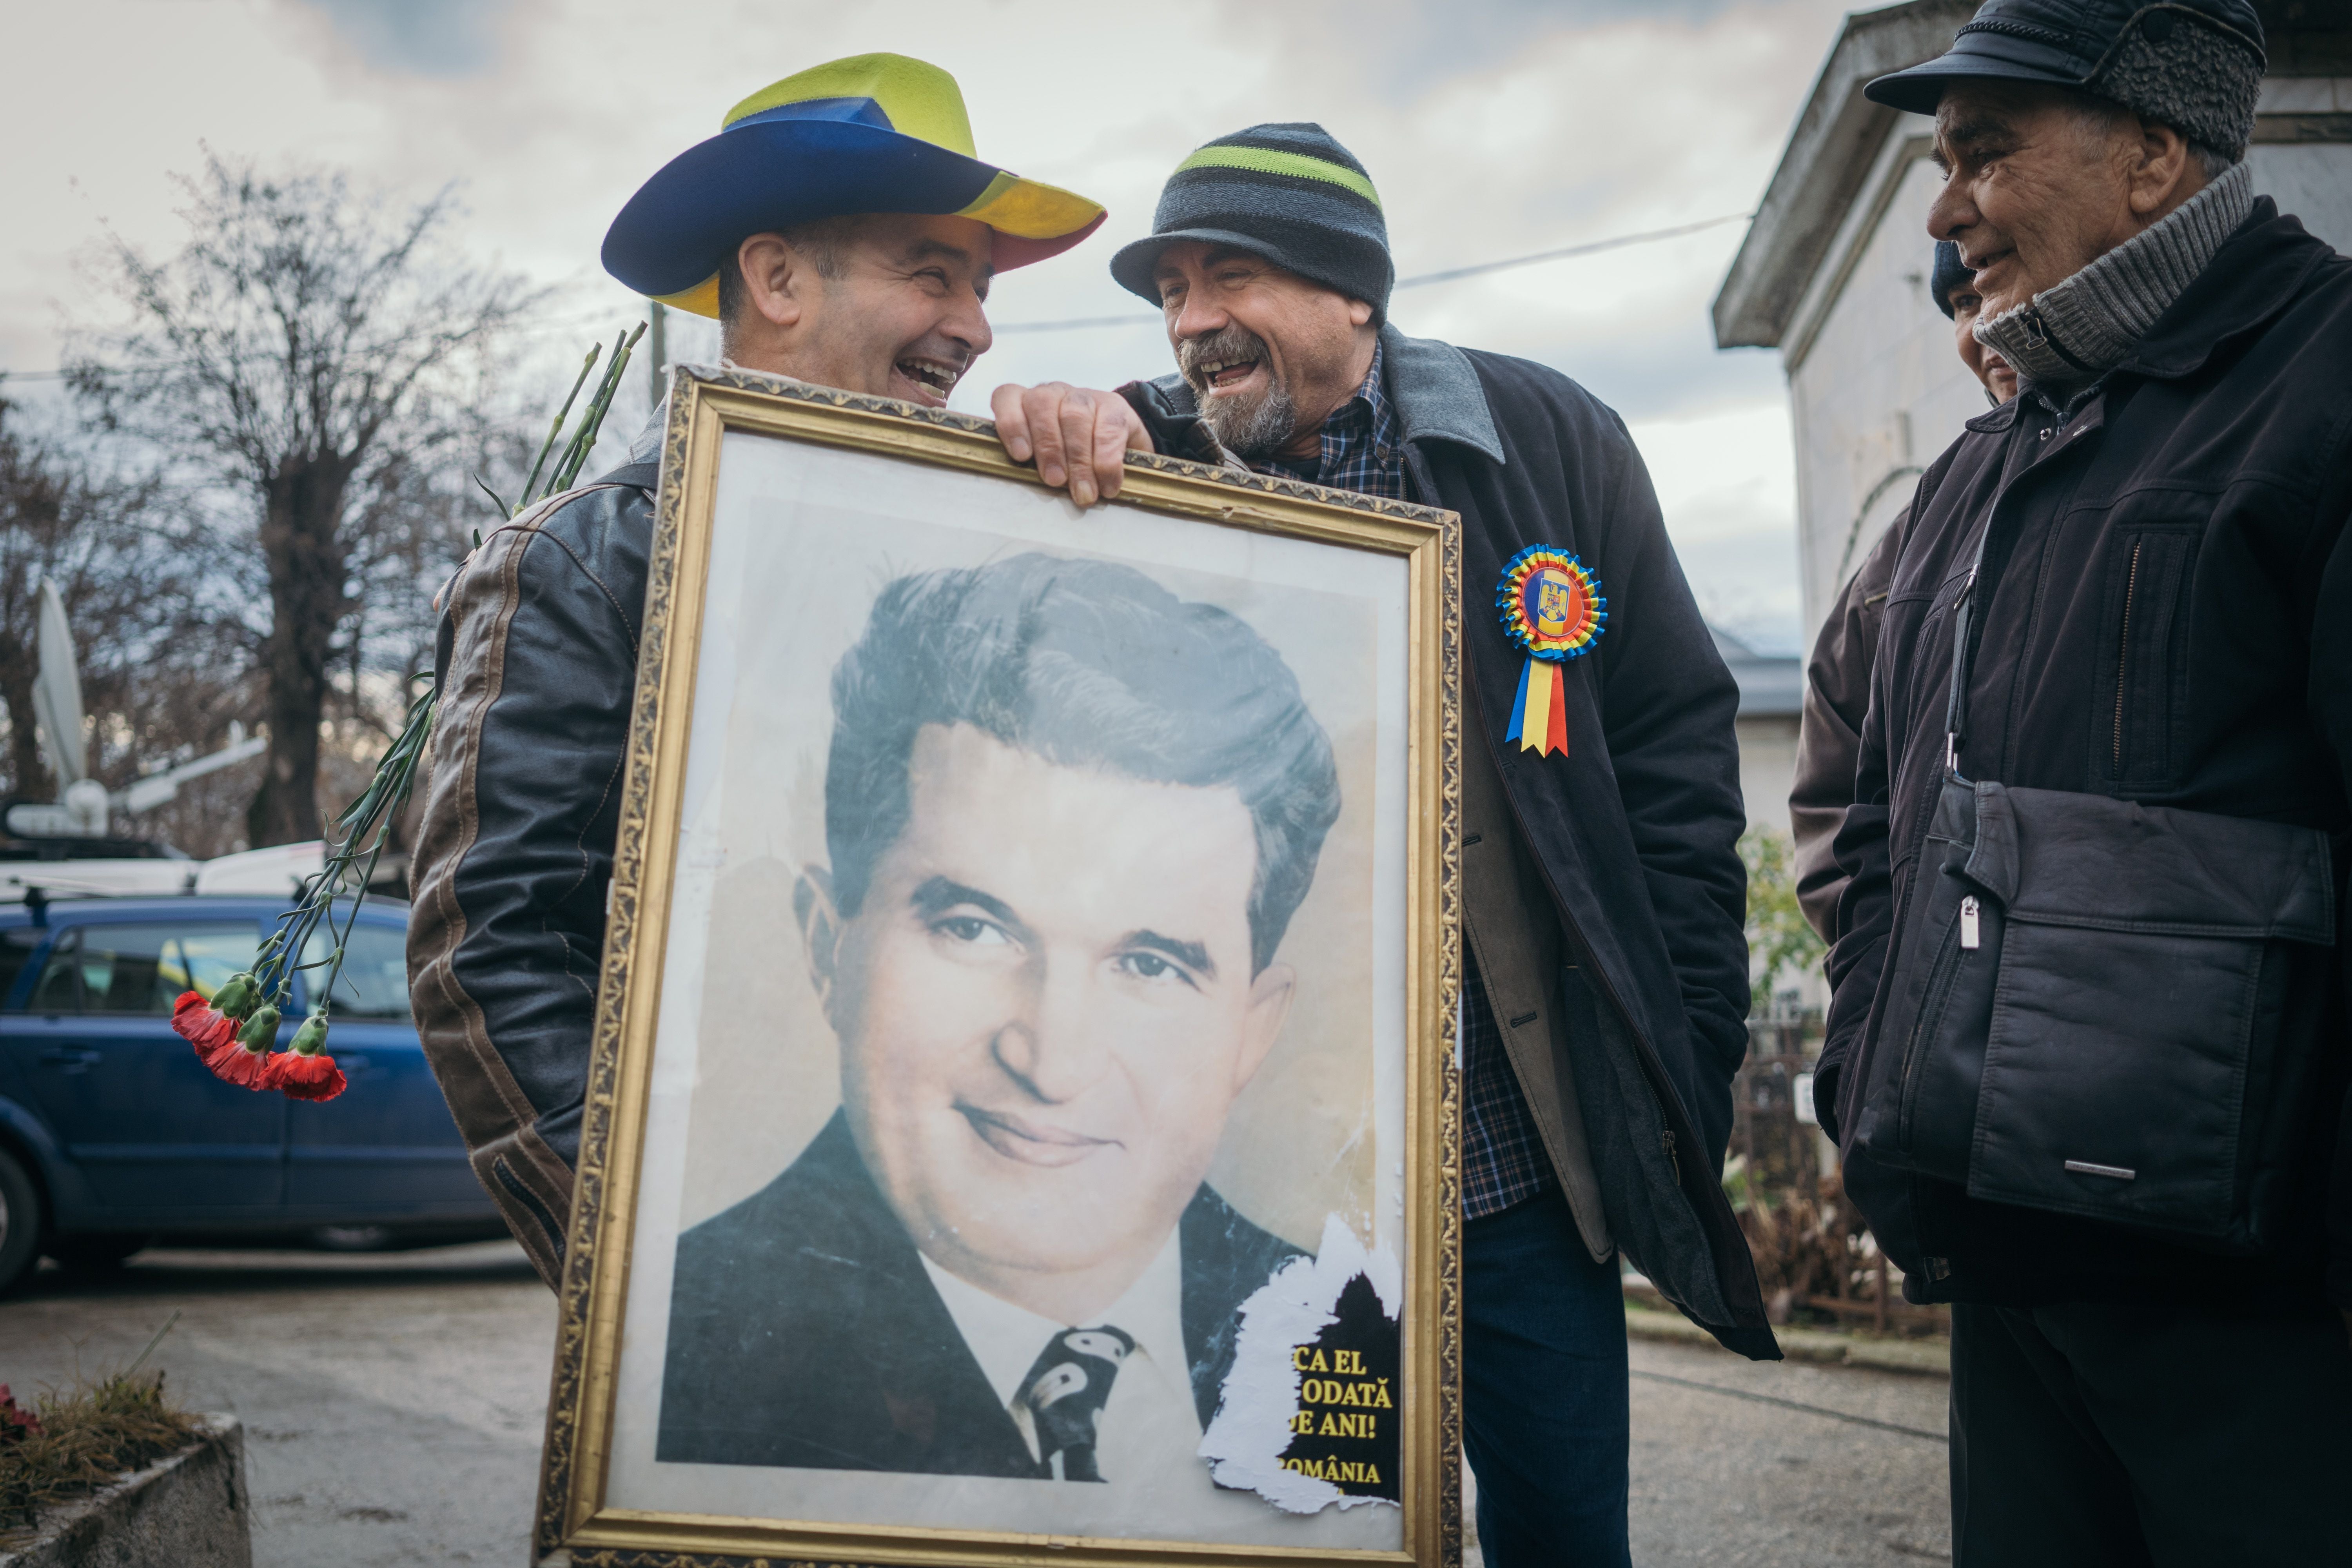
pixel 160 670
pixel 325 362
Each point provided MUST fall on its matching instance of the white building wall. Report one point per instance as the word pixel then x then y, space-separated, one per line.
pixel 1875 384
pixel 1768 770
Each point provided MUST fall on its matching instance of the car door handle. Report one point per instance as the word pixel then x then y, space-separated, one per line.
pixel 72 1058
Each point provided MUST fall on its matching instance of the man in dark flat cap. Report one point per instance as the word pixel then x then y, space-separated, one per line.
pixel 2088 1054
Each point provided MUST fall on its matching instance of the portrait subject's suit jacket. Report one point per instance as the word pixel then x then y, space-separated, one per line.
pixel 804 1331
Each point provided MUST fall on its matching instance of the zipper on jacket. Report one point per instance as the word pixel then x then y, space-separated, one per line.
pixel 1854 1076
pixel 1666 1141
pixel 1957 938
pixel 2123 653
pixel 2038 324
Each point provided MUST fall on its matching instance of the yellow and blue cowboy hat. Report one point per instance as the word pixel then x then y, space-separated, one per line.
pixel 872 133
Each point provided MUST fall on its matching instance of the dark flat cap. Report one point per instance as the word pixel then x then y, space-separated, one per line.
pixel 2194 65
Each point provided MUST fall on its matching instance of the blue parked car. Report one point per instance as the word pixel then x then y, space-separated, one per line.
pixel 113 1135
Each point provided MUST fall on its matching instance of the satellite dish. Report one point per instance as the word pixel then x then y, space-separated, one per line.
pixel 57 695
pixel 84 805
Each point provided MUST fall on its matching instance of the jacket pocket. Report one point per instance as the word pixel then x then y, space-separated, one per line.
pixel 1639 1165
pixel 2141 675
pixel 2120 1102
pixel 2137 1053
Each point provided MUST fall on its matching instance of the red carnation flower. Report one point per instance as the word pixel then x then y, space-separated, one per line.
pixel 218 1044
pixel 300 1077
pixel 211 1032
pixel 246 1068
pixel 307 1072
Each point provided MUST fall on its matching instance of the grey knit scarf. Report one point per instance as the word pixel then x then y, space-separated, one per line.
pixel 2076 331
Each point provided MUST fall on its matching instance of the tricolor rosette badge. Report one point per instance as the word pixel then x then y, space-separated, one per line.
pixel 1552 611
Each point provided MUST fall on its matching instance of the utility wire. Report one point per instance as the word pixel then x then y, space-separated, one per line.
pixel 1587 248
pixel 1077 323
pixel 1476 269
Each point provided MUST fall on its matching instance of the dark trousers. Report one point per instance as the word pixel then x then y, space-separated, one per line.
pixel 2150 1436
pixel 1544 1404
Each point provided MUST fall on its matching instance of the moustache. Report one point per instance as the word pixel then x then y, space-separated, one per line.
pixel 1229 343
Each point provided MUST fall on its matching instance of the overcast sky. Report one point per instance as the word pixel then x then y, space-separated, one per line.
pixel 1492 128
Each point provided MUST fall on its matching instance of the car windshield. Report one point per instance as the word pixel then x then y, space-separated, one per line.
pixel 140 968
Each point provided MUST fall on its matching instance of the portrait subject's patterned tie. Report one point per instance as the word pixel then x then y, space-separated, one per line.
pixel 1064 1393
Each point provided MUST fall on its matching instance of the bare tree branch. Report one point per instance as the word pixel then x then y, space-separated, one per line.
pixel 324 357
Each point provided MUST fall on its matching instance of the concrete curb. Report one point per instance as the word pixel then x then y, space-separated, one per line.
pixel 1926 1358
pixel 189 1510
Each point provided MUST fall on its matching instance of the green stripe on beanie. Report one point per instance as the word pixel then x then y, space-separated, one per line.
pixel 1290 193
pixel 1266 160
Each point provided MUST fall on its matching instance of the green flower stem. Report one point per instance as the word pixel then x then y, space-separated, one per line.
pixel 575 455
pixel 556 428
pixel 364 828
pixel 355 842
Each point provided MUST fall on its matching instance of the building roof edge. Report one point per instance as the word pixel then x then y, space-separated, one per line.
pixel 1823 166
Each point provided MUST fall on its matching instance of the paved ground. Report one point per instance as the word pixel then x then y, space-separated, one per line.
pixel 1732 1482
pixel 393 1404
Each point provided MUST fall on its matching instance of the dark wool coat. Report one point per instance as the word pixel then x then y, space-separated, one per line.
pixel 1636 827
pixel 2165 616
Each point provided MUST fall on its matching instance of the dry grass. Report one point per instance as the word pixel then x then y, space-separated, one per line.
pixel 90 1436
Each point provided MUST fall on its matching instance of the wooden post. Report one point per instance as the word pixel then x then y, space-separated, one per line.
pixel 657 357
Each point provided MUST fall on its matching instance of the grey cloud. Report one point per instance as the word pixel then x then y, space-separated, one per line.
pixel 1411 44
pixel 426 37
pixel 1669 371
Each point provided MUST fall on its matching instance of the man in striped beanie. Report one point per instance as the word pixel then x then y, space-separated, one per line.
pixel 1605 993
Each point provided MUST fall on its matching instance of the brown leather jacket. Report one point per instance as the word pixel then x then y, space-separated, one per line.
pixel 1829 733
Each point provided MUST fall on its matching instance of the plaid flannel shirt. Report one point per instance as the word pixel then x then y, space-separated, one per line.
pixel 1503 1157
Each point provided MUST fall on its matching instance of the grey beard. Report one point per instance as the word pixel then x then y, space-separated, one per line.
pixel 1255 432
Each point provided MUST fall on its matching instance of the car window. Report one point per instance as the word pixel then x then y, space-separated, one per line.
pixel 374 982
pixel 140 968
pixel 18 945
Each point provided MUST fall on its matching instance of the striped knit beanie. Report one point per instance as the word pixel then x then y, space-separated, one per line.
pixel 1288 193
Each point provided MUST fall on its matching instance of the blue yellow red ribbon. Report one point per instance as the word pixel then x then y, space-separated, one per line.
pixel 1551 610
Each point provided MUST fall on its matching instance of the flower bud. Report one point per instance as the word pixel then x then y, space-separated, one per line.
pixel 260 1031
pixel 238 997
pixel 311 1036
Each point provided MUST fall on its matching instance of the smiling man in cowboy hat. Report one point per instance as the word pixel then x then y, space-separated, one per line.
pixel 841 230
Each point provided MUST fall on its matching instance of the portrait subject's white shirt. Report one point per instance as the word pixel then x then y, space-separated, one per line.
pixel 1151 1430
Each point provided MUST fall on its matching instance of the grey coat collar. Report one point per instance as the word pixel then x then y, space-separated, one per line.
pixel 1435 388
pixel 1437 393
pixel 2087 324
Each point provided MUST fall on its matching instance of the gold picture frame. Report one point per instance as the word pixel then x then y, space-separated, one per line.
pixel 576 1523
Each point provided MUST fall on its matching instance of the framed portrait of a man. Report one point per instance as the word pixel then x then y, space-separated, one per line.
pixel 1022 1126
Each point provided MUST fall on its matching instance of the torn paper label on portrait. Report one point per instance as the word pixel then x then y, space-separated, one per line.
pixel 1312 1412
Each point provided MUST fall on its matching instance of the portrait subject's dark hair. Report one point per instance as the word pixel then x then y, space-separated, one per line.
pixel 1087 664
